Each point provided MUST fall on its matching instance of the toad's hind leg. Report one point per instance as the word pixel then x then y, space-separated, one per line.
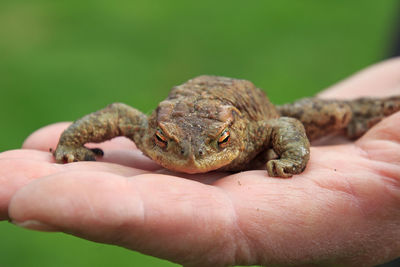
pixel 322 117
pixel 366 112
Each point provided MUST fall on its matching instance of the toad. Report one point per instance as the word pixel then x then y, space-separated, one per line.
pixel 216 123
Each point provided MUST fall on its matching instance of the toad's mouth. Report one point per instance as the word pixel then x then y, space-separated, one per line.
pixel 191 169
pixel 192 165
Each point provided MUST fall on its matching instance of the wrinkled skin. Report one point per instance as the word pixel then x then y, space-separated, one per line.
pixel 343 210
pixel 216 123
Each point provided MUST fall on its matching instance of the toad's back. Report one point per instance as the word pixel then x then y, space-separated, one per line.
pixel 242 94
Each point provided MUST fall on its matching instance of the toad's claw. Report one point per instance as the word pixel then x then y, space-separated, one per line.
pixel 67 154
pixel 283 168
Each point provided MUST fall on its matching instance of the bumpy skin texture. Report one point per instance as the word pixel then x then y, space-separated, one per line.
pixel 217 123
pixel 352 118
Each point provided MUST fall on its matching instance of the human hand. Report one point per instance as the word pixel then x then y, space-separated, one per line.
pixel 343 209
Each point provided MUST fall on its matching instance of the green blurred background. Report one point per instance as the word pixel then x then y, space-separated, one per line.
pixel 60 60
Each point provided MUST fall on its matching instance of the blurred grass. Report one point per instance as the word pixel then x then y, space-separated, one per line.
pixel 60 60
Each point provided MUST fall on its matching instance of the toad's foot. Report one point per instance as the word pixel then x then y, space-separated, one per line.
pixel 284 168
pixel 67 154
pixel 288 142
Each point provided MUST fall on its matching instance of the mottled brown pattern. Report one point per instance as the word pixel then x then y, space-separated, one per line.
pixel 217 123
pixel 322 117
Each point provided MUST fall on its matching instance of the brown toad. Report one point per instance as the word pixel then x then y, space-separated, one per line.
pixel 217 123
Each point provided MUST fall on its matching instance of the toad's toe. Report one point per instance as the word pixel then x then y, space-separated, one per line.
pixel 67 154
pixel 282 168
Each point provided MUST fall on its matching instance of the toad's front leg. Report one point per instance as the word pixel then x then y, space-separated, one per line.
pixel 115 120
pixel 289 141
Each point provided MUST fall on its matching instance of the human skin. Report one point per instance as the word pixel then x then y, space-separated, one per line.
pixel 344 209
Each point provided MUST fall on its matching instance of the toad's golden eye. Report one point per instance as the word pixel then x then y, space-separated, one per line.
pixel 160 139
pixel 223 140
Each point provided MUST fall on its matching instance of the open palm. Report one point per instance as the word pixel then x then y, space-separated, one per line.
pixel 344 208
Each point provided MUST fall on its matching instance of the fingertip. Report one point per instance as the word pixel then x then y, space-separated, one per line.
pixel 73 200
pixel 378 80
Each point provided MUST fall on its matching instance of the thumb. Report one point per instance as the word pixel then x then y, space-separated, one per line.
pixel 172 218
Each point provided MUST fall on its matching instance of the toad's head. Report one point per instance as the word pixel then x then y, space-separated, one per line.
pixel 194 135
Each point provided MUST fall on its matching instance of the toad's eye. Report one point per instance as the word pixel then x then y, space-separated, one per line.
pixel 160 139
pixel 223 140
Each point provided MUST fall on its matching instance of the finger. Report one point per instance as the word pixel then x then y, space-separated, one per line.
pixel 379 80
pixel 130 158
pixel 27 154
pixel 164 216
pixel 18 168
pixel 382 142
pixel 14 174
pixel 46 138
